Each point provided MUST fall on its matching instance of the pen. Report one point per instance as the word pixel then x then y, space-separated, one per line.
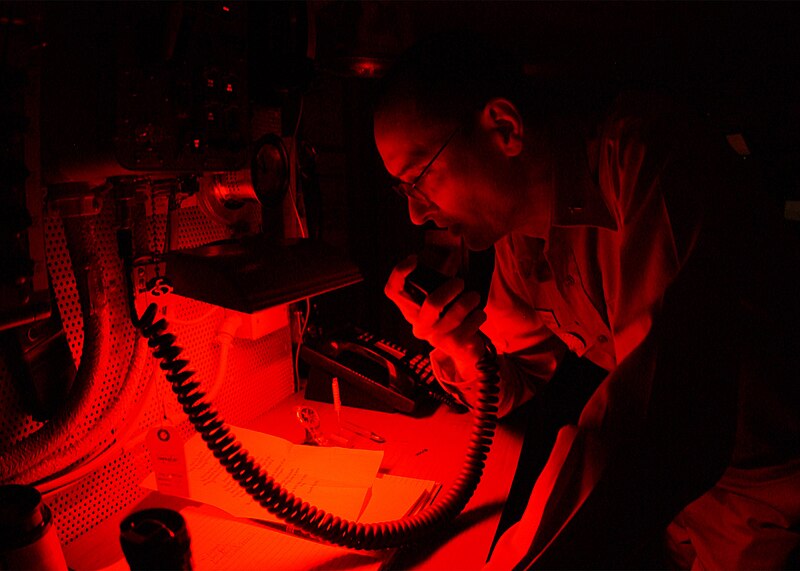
pixel 364 432
pixel 337 400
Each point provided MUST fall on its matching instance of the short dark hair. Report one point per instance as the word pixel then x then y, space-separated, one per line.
pixel 450 75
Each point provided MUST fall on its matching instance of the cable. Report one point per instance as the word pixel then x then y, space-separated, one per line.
pixel 300 344
pixel 196 320
pixel 227 330
pixel 225 337
pixel 292 159
pixel 278 501
pixel 66 435
pixel 443 397
pixel 74 472
pixel 123 440
pixel 127 437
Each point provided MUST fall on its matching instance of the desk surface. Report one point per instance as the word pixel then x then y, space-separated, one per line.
pixel 430 448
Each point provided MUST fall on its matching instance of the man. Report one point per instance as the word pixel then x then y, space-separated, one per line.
pixel 626 235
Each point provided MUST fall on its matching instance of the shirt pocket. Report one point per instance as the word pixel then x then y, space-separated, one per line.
pixel 580 323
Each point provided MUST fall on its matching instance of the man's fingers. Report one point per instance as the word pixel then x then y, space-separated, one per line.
pixel 431 310
pixel 408 308
pixel 448 329
pixel 397 279
pixel 470 326
pixel 463 343
pixel 456 314
pixel 457 327
pixel 465 329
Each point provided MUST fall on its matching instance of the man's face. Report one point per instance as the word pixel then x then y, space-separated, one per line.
pixel 466 189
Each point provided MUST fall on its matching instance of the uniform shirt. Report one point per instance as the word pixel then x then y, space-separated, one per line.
pixel 658 269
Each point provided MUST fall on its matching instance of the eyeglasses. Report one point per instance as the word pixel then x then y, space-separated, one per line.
pixel 411 189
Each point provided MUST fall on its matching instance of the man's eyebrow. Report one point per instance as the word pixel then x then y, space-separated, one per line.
pixel 401 177
pixel 413 163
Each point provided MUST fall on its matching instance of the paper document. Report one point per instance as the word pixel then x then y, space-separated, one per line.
pixel 228 544
pixel 394 497
pixel 336 480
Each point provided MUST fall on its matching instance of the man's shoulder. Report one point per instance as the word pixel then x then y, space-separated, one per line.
pixel 657 125
pixel 643 113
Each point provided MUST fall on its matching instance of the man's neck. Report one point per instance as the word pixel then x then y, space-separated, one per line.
pixel 534 212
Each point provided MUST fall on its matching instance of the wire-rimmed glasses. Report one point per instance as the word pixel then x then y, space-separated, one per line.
pixel 411 189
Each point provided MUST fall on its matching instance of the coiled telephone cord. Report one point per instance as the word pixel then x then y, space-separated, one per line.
pixel 444 398
pixel 278 501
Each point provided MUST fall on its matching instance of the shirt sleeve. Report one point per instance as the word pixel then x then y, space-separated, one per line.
pixel 528 352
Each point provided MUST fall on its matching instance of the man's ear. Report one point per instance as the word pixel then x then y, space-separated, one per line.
pixel 503 121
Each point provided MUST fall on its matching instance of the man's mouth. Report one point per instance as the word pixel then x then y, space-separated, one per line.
pixel 434 225
pixel 454 229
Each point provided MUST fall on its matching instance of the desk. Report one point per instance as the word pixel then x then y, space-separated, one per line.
pixel 429 448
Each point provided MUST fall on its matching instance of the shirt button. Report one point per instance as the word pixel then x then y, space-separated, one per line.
pixel 569 280
pixel 574 342
pixel 602 339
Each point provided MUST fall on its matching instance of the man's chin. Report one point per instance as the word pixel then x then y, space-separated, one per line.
pixel 476 243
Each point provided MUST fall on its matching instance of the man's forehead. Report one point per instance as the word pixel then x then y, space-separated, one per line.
pixel 405 142
pixel 402 156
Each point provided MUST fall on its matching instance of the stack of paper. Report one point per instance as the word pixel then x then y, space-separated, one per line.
pixel 219 544
pixel 341 481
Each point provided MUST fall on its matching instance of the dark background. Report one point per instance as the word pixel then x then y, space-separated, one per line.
pixel 735 62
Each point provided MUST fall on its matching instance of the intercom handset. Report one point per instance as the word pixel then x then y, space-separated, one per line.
pixel 375 373
pixel 422 281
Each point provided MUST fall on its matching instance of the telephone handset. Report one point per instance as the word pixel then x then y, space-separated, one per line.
pixel 422 281
pixel 277 500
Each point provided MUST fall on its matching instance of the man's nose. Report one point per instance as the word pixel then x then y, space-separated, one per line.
pixel 419 211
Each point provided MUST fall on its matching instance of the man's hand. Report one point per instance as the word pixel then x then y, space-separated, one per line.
pixel 454 331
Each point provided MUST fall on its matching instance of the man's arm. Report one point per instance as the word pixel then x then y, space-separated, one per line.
pixel 656 435
pixel 659 430
pixel 528 352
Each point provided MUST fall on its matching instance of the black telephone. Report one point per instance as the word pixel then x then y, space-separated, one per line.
pixel 374 373
pixel 378 373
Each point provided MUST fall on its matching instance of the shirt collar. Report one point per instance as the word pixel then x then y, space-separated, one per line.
pixel 578 199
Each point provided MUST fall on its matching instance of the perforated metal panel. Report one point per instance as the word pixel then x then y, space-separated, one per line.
pixel 192 228
pixel 259 372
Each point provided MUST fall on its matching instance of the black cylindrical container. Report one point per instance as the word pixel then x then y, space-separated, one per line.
pixel 156 538
pixel 28 539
